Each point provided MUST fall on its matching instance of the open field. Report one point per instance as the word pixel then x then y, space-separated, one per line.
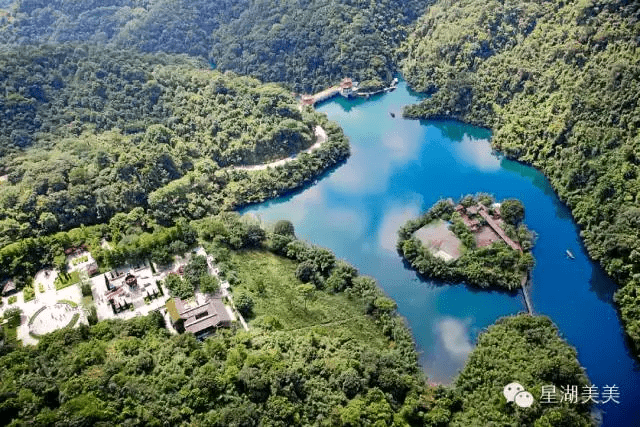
pixel 326 314
pixel 438 238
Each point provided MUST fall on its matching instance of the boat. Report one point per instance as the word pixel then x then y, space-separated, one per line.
pixel 392 114
pixel 570 254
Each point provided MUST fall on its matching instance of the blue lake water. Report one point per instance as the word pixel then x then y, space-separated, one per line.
pixel 399 168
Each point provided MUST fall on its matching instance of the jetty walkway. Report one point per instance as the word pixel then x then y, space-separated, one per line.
pixel 524 284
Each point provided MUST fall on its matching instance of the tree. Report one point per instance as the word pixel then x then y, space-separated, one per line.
pixel 244 303
pixel 307 292
pixel 195 269
pixel 512 211
pixel 255 235
pixel 284 228
pixel 209 284
pixel 85 287
pixel 305 271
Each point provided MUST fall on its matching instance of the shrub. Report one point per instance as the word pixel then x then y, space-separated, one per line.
pixel 12 299
pixel 86 290
pixel 29 293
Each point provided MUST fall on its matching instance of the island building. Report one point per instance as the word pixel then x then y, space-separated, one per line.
pixel 492 232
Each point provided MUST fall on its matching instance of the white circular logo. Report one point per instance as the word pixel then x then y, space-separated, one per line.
pixel 510 391
pixel 524 399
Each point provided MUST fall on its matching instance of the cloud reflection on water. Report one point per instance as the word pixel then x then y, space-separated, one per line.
pixel 477 152
pixel 394 217
pixel 454 336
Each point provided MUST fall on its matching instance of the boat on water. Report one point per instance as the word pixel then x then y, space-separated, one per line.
pixel 392 114
pixel 570 254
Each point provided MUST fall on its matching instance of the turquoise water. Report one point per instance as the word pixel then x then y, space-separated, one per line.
pixel 399 168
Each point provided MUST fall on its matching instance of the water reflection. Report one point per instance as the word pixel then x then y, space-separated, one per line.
pixel 477 153
pixel 394 217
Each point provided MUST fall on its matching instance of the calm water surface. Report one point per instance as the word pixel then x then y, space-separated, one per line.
pixel 400 167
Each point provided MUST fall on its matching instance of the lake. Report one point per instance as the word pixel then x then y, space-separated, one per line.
pixel 399 168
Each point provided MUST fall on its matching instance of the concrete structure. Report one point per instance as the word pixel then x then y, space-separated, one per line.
pixel 346 88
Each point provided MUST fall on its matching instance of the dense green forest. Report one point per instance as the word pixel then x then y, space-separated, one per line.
pixel 334 353
pixel 88 132
pixel 495 266
pixel 525 349
pixel 558 82
pixel 306 44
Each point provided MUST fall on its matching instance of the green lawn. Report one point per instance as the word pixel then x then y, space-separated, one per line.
pixel 329 314
pixel 68 279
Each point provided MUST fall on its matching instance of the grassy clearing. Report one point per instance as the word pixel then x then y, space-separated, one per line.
pixel 67 279
pixel 271 282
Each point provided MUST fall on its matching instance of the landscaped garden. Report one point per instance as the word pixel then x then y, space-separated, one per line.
pixel 67 279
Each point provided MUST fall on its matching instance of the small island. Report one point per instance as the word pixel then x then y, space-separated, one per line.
pixel 476 241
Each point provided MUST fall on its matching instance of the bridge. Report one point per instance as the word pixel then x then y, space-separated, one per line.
pixel 524 284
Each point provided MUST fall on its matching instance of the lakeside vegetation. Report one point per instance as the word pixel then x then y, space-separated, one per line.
pixel 289 369
pixel 495 265
pixel 558 83
pixel 304 44
pixel 110 131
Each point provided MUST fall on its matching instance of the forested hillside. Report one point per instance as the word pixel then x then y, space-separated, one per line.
pixel 558 82
pixel 87 132
pixel 310 43
pixel 306 44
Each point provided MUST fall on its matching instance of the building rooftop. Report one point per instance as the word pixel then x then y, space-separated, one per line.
pixel 202 313
pixel 8 287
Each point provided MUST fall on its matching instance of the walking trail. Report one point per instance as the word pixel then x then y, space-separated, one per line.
pixel 321 138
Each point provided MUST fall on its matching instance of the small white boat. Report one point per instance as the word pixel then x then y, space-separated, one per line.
pixel 570 254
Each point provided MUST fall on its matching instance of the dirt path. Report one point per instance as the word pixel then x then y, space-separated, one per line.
pixel 321 138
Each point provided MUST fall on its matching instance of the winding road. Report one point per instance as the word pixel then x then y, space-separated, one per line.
pixel 321 138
